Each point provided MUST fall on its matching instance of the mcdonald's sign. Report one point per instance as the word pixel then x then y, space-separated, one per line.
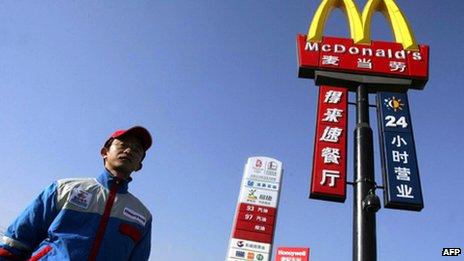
pixel 403 63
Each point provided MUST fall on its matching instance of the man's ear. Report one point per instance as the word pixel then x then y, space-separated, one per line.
pixel 104 152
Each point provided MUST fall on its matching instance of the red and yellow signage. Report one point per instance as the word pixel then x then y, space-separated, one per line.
pixel 329 160
pixel 404 59
pixel 347 63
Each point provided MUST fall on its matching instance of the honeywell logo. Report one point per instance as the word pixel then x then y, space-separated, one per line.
pixel 291 253
pixel 363 51
pixel 135 216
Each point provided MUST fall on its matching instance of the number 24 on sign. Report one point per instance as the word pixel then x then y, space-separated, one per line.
pixel 393 122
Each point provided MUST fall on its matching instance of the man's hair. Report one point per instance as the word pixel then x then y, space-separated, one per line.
pixel 108 143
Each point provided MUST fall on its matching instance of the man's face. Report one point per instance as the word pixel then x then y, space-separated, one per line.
pixel 123 156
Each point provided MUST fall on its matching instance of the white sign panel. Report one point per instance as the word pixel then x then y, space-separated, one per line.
pixel 263 169
pixel 238 254
pixel 249 183
pixel 252 234
pixel 249 245
pixel 261 197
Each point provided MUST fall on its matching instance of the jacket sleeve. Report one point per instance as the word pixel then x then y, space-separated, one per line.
pixel 142 249
pixel 30 227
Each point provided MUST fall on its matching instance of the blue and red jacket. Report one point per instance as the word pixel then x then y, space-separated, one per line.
pixel 81 219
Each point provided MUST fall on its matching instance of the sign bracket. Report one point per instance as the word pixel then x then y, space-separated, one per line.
pixel 370 105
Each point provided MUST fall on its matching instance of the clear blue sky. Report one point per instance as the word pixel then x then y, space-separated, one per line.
pixel 215 82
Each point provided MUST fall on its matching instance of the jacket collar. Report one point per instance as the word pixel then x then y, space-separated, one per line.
pixel 107 180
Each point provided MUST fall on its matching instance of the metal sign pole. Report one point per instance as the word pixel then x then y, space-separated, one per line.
pixel 366 203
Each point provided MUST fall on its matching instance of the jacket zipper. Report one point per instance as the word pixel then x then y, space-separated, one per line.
pixel 104 221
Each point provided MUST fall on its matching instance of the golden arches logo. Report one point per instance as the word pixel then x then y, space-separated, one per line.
pixel 360 28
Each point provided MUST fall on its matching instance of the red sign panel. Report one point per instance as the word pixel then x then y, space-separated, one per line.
pixel 254 227
pixel 378 59
pixel 329 161
pixel 254 223
pixel 252 236
pixel 256 218
pixel 254 209
pixel 292 254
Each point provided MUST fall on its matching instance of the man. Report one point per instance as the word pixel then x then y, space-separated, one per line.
pixel 88 219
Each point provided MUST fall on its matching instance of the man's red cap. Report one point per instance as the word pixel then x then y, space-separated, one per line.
pixel 137 131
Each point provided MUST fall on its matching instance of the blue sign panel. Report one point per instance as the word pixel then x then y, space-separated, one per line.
pixel 399 161
pixel 394 112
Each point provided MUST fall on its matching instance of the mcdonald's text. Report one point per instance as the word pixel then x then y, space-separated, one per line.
pixel 363 51
pixel 378 58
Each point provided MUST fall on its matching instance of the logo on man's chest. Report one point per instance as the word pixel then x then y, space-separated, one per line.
pixel 132 214
pixel 80 198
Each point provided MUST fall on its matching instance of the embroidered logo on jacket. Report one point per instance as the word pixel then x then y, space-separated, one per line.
pixel 80 198
pixel 135 216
